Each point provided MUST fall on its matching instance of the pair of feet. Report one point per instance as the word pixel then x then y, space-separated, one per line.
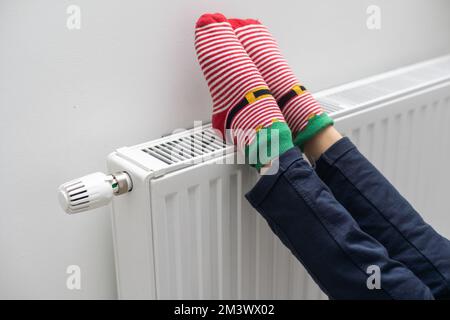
pixel 257 100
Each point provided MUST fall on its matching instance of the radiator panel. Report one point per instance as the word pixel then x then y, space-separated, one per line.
pixel 209 243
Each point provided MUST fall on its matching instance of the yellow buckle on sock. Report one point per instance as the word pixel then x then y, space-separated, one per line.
pixel 250 96
pixel 296 90
pixel 299 90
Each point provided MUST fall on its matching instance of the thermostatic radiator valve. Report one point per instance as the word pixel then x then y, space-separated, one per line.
pixel 92 191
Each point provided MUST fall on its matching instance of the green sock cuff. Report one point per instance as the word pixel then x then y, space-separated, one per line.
pixel 314 126
pixel 263 139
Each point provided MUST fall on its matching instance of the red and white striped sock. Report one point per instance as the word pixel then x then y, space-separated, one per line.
pixel 303 113
pixel 242 103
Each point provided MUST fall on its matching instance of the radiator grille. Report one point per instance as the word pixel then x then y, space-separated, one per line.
pixel 329 106
pixel 394 84
pixel 202 143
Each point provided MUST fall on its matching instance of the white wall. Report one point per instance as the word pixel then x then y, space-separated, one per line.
pixel 68 98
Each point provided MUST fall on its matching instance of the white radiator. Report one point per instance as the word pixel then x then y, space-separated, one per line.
pixel 186 231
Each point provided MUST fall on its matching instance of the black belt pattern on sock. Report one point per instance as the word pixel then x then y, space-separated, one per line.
pixel 296 90
pixel 249 98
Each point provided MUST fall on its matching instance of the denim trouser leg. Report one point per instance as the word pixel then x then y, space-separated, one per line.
pixel 320 232
pixel 384 214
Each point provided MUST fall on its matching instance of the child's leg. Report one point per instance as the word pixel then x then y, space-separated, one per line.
pixel 367 195
pixel 320 232
pixel 382 212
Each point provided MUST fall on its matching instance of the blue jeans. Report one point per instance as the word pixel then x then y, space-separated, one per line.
pixel 345 217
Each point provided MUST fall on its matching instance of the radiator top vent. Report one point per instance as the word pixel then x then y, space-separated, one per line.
pixel 365 93
pixel 329 106
pixel 186 148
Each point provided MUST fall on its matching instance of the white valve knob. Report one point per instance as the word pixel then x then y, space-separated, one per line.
pixel 92 191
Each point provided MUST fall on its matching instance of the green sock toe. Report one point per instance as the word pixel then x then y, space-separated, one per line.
pixel 314 126
pixel 260 152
